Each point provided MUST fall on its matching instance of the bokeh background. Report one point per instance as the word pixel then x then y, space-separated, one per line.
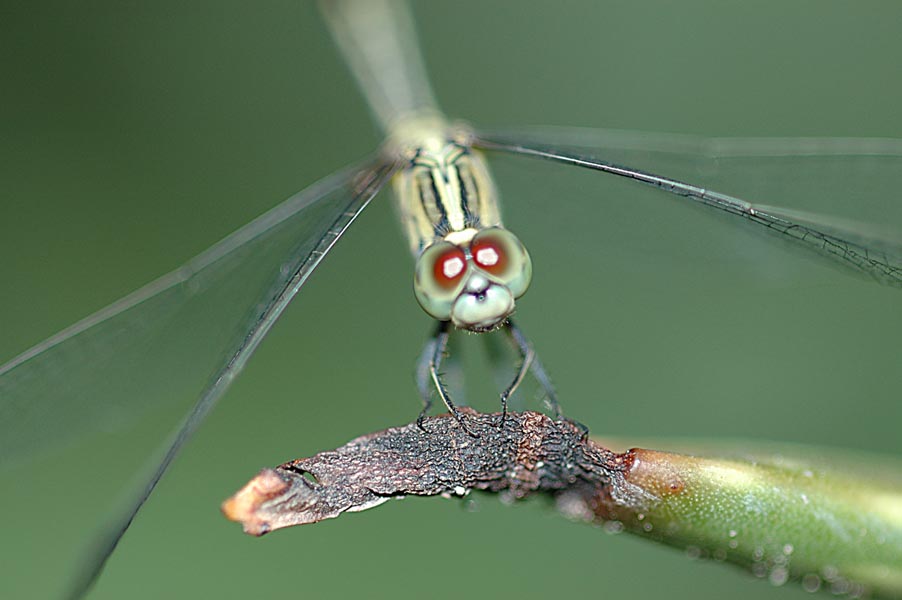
pixel 134 135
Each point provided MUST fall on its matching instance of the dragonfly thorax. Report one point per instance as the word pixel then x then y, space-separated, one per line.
pixel 443 186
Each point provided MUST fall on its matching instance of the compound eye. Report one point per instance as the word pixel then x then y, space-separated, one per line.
pixel 499 253
pixel 490 255
pixel 448 268
pixel 439 278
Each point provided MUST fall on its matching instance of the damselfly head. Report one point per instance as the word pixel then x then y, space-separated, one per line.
pixel 473 285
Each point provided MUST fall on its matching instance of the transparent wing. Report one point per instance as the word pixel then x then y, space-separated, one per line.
pixel 168 350
pixel 761 180
pixel 158 347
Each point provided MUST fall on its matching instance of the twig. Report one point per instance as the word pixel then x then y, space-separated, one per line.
pixel 531 453
pixel 827 518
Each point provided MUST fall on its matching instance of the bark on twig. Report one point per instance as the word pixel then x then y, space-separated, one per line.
pixel 530 453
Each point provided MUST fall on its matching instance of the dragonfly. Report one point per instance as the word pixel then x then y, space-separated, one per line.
pixel 305 229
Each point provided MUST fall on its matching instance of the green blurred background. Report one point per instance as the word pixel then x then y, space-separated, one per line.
pixel 133 136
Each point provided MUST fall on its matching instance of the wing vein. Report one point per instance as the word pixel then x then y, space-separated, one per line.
pixel 255 228
pixel 365 190
pixel 881 266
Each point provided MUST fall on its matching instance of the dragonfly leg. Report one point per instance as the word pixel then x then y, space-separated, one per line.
pixel 534 365
pixel 423 378
pixel 428 366
pixel 527 356
pixel 538 371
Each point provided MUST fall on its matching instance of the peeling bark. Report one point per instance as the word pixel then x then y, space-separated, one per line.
pixel 531 453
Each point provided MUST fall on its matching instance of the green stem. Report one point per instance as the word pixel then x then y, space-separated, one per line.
pixel 831 518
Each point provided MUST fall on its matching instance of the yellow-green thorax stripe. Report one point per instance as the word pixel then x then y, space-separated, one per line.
pixel 443 189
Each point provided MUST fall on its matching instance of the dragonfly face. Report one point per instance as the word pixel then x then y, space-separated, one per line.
pixel 473 277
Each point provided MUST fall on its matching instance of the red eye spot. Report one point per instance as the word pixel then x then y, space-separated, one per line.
pixel 449 267
pixel 489 255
